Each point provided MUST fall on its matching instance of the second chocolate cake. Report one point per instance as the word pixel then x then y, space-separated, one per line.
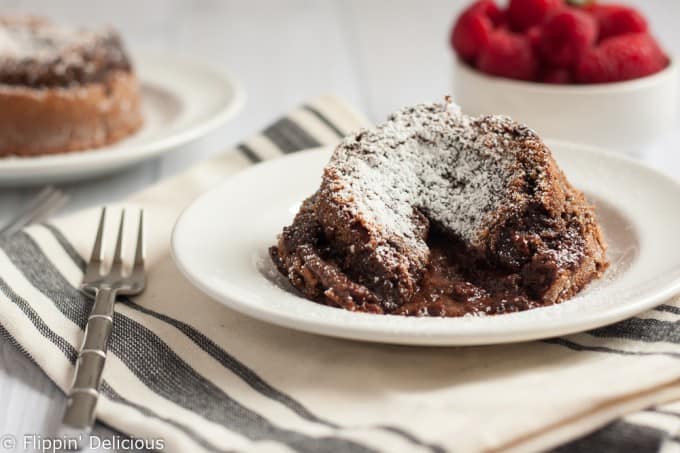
pixel 63 88
pixel 437 213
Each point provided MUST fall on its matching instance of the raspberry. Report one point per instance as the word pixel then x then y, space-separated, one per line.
pixel 616 20
pixel 621 58
pixel 470 34
pixel 473 28
pixel 508 55
pixel 534 35
pixel 523 14
pixel 557 76
pixel 489 9
pixel 566 36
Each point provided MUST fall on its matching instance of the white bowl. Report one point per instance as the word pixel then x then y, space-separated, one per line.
pixel 624 116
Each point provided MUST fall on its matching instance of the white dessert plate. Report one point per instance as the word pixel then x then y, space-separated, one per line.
pixel 220 243
pixel 182 100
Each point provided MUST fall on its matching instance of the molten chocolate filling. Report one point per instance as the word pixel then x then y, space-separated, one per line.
pixel 529 261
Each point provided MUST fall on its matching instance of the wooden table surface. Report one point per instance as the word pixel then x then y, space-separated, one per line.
pixel 378 55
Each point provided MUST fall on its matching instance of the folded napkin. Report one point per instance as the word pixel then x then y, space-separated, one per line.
pixel 187 370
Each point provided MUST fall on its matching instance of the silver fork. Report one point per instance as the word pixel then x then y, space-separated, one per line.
pixel 37 209
pixel 82 401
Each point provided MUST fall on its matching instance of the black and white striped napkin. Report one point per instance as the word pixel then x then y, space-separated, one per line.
pixel 186 370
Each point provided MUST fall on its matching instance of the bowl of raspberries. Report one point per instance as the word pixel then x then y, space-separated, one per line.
pixel 576 70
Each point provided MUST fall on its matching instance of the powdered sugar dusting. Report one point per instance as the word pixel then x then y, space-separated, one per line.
pixel 451 167
pixel 29 38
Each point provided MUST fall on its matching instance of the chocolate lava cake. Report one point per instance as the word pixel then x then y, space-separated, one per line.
pixel 436 213
pixel 63 89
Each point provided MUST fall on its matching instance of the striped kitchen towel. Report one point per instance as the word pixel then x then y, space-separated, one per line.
pixel 186 370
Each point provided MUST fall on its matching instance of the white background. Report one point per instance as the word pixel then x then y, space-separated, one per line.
pixel 377 54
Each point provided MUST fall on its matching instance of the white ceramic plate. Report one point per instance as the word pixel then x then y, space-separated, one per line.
pixel 220 243
pixel 181 100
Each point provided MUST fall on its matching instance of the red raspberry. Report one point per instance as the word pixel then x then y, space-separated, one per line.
pixel 473 28
pixel 621 58
pixel 566 36
pixel 616 20
pixel 489 9
pixel 534 35
pixel 470 34
pixel 523 14
pixel 508 55
pixel 557 77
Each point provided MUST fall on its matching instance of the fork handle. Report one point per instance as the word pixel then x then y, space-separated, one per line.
pixel 82 400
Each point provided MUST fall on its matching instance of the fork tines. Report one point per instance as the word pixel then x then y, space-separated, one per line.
pixel 38 209
pixel 94 270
